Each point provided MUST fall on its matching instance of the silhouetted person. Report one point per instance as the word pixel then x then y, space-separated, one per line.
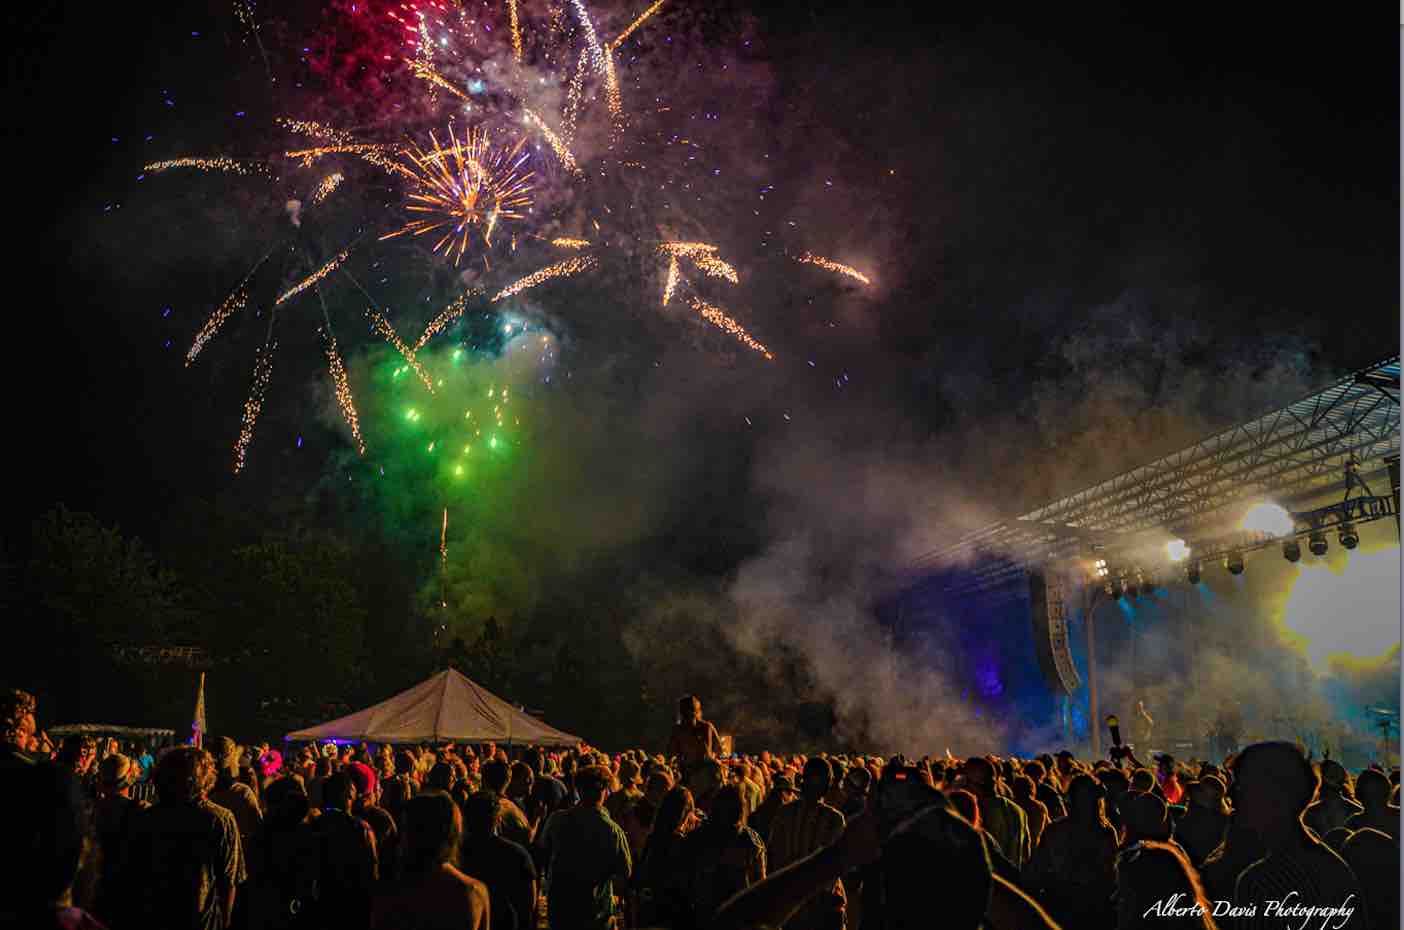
pixel 1373 790
pixel 1024 791
pixel 1044 789
pixel 48 832
pixel 432 894
pixel 693 740
pixel 1241 848
pixel 587 853
pixel 663 873
pixel 349 862
pixel 184 859
pixel 724 854
pixel 503 866
pixel 1144 817
pixel 802 827
pixel 512 823
pixel 1334 805
pixel 1202 828
pixel 1374 858
pixel 1156 887
pixel 1000 817
pixel 16 728
pixel 230 793
pixel 782 792
pixel 1072 871
pixel 1273 784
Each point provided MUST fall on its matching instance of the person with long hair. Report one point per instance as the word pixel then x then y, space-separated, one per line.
pixel 662 875
pixel 1157 887
pixel 431 892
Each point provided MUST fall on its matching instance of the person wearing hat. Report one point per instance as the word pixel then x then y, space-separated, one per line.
pixel 1336 802
pixel 116 776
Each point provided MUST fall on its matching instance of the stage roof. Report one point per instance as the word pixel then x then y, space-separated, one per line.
pixel 1291 455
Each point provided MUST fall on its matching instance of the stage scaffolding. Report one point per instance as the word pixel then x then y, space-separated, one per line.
pixel 1343 438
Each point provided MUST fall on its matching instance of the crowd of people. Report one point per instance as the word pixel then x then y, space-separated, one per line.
pixel 483 836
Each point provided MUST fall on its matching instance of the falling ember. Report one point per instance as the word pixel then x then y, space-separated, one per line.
pixel 703 255
pixel 516 39
pixel 452 312
pixel 307 127
pixel 312 279
pixel 383 327
pixel 642 18
pixel 253 405
pixel 470 183
pixel 329 183
pixel 443 558
pixel 559 270
pixel 719 319
pixel 671 284
pixel 343 391
pixel 564 242
pixel 232 305
pixel 424 72
pixel 688 249
pixel 573 94
pixel 375 154
pixel 715 267
pixel 830 265
pixel 564 154
pixel 236 301
pixel 231 165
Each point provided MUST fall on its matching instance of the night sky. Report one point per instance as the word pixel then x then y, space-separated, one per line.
pixel 1092 241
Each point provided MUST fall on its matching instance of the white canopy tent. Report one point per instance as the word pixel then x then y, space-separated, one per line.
pixel 447 707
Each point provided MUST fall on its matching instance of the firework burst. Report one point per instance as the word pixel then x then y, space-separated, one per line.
pixel 471 186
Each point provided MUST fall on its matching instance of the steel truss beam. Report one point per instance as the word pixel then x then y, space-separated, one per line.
pixel 1289 454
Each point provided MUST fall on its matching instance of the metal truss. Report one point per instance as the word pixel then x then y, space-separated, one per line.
pixel 1289 455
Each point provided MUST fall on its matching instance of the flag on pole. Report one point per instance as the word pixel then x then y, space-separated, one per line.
pixel 199 736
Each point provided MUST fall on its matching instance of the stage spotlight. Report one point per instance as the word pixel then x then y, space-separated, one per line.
pixel 1268 518
pixel 1192 572
pixel 1291 550
pixel 1234 563
pixel 1176 550
pixel 1349 537
pixel 1101 568
pixel 1316 542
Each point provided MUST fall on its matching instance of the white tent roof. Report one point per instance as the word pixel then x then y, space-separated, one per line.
pixel 448 706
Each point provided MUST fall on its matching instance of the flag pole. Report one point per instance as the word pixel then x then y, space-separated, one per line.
pixel 198 737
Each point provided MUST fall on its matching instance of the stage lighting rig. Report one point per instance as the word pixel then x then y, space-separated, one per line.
pixel 1291 550
pixel 1234 562
pixel 1348 536
pixel 1316 542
